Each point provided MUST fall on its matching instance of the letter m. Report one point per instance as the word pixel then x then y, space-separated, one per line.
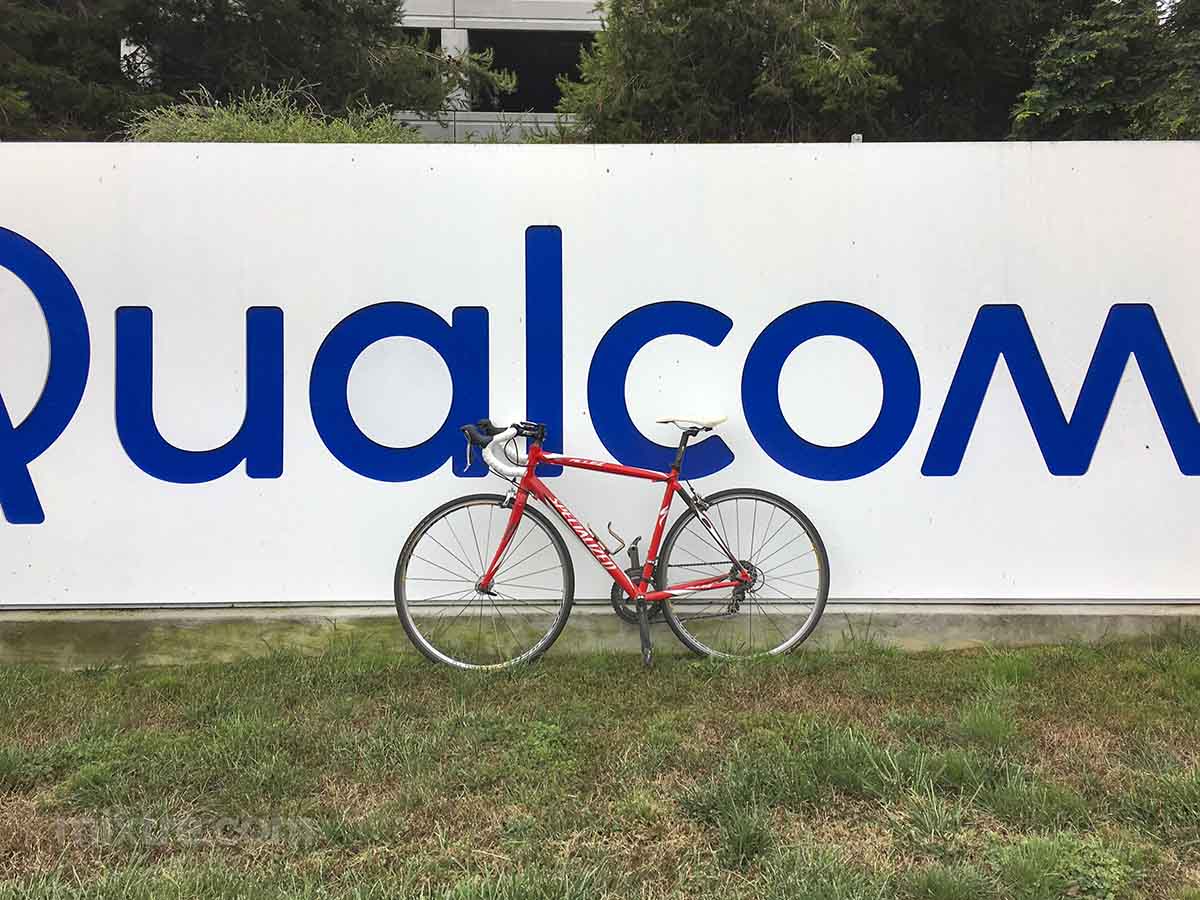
pixel 1067 445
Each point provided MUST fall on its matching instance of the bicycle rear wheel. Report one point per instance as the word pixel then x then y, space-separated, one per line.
pixel 452 622
pixel 780 548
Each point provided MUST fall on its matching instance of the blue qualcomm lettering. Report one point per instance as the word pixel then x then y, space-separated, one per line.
pixel 259 440
pixel 897 367
pixel 1067 445
pixel 70 354
pixel 462 345
pixel 544 335
pixel 610 368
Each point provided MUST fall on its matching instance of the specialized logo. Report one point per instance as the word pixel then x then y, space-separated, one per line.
pixel 1067 442
pixel 584 535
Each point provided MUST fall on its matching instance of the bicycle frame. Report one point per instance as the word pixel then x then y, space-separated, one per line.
pixel 530 484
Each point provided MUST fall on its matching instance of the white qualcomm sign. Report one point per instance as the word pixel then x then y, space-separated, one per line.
pixel 235 374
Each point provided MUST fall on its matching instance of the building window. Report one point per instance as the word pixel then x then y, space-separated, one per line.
pixel 537 58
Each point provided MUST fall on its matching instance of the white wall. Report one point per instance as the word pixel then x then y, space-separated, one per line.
pixel 923 235
pixel 565 15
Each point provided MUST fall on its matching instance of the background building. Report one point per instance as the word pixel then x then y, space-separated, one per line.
pixel 536 39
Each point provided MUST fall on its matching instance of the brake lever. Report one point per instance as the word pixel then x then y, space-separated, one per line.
pixel 470 447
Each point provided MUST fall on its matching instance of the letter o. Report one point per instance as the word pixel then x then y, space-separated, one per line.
pixel 897 369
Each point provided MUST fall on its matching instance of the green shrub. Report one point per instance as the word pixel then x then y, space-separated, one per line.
pixel 285 115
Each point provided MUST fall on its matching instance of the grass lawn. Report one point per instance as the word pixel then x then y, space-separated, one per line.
pixel 1063 771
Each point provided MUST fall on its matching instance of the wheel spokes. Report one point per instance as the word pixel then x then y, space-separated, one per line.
pixel 467 627
pixel 786 588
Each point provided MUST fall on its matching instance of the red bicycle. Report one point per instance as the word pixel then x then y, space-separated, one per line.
pixel 486 581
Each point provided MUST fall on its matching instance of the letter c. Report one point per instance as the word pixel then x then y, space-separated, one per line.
pixel 610 368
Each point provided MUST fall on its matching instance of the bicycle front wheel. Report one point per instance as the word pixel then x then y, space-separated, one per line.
pixel 780 548
pixel 452 622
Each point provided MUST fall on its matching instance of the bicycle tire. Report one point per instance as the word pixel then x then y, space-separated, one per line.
pixel 406 604
pixel 678 621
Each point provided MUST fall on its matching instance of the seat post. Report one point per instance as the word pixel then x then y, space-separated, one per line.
pixel 688 433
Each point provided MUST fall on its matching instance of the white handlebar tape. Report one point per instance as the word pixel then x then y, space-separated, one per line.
pixel 503 457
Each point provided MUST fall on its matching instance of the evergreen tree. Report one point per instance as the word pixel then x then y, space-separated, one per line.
pixel 810 69
pixel 63 75
pixel 726 70
pixel 345 52
pixel 60 70
pixel 1124 71
pixel 961 64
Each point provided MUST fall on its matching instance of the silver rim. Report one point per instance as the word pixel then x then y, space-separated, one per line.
pixel 785 557
pixel 454 622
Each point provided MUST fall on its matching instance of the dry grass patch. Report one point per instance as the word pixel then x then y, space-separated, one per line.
pixel 858 770
pixel 853 826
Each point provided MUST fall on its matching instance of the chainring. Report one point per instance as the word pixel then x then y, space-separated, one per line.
pixel 625 608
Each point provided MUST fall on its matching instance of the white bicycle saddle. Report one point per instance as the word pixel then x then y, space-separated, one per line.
pixel 686 421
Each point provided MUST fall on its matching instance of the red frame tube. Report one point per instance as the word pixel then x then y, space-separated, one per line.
pixel 531 484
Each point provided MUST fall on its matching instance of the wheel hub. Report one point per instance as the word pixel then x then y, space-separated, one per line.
pixel 756 577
